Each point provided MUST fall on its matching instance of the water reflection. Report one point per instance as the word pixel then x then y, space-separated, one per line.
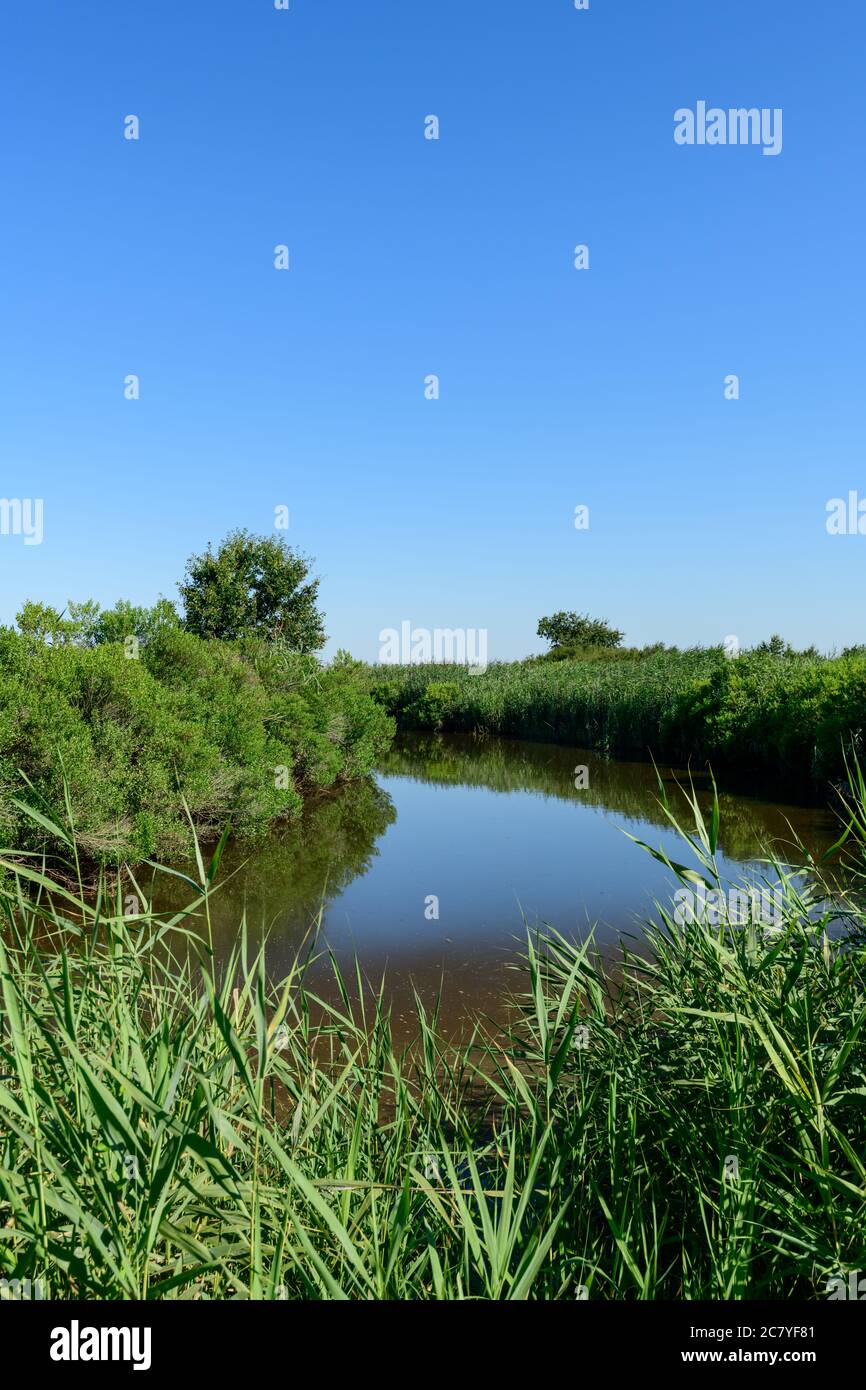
pixel 281 884
pixel 629 790
pixel 431 869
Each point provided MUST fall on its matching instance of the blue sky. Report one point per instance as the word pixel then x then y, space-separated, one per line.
pixel 409 257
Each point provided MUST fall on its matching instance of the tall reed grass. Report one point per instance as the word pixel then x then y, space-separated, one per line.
pixel 782 717
pixel 689 1124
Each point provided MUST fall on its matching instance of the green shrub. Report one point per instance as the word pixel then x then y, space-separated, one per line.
pixel 236 730
pixel 786 715
pixel 436 705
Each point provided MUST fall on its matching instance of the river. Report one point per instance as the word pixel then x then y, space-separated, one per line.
pixel 430 871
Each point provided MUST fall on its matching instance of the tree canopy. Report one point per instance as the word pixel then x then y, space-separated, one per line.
pixel 253 585
pixel 87 625
pixel 578 630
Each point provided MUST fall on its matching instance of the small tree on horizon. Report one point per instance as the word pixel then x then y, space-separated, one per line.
pixel 253 585
pixel 578 630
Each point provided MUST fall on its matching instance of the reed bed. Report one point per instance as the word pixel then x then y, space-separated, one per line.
pixel 781 717
pixel 690 1126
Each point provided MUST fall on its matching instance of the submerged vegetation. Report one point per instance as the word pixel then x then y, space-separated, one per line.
pixel 694 1129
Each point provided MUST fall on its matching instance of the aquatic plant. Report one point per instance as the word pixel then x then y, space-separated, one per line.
pixel 689 1125
pixel 784 718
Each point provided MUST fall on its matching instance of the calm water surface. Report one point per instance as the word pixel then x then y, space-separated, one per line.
pixel 496 831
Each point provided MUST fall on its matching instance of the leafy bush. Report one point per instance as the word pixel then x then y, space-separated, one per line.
pixel 236 730
pixel 436 705
pixel 791 717
pixel 86 625
pixel 599 653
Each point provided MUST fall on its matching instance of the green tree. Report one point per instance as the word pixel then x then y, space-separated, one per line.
pixel 253 585
pixel 43 622
pixel 578 630
pixel 126 619
pixel 776 646
pixel 84 625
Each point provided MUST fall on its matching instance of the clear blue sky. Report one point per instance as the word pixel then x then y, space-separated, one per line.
pixel 408 257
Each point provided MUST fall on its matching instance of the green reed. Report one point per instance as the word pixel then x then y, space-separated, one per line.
pixel 174 1128
pixel 780 717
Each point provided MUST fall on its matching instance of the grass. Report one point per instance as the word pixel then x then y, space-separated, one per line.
pixel 780 716
pixel 689 1126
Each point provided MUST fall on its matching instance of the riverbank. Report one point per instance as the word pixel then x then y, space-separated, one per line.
pixel 783 719
pixel 185 732
pixel 693 1131
pixel 134 745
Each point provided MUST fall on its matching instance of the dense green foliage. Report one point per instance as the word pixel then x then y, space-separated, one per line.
pixel 608 654
pixel 695 1130
pixel 575 630
pixel 253 586
pixel 152 724
pixel 87 625
pixel 785 717
pixel 237 731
